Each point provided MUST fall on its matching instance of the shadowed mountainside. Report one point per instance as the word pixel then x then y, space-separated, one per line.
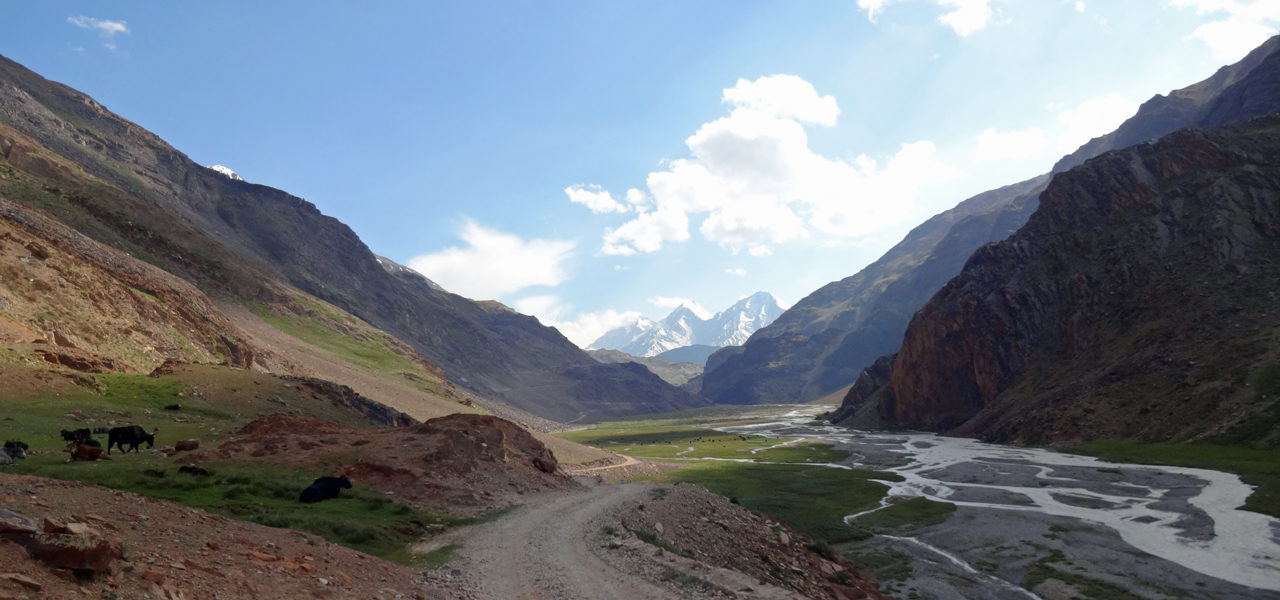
pixel 823 343
pixel 128 189
pixel 1138 302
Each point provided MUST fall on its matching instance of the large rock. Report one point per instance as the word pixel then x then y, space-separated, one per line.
pixel 87 552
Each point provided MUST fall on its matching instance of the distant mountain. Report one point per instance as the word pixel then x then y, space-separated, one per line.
pixel 684 327
pixel 227 172
pixel 1138 302
pixel 120 185
pixel 824 342
pixel 696 354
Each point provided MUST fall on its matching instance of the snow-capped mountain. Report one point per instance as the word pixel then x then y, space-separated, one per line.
pixel 226 171
pixel 684 327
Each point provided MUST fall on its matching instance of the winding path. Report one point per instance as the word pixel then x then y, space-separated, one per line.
pixel 545 550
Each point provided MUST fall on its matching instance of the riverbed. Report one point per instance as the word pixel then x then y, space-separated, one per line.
pixel 1078 525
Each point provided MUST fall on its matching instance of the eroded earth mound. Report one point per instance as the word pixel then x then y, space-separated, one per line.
pixel 459 464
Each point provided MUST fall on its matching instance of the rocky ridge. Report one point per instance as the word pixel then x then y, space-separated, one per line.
pixel 823 343
pixel 1137 302
pixel 122 186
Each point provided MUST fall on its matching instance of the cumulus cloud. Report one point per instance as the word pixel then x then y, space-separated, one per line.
pixel 494 264
pixel 106 29
pixel 581 328
pixel 1012 145
pixel 1093 118
pixel 754 177
pixel 966 16
pixel 676 302
pixel 594 198
pixel 1245 25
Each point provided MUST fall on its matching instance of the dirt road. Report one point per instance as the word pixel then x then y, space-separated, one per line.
pixel 546 550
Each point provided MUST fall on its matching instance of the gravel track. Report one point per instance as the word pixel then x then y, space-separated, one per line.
pixel 547 549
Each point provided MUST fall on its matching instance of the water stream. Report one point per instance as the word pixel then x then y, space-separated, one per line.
pixel 1188 516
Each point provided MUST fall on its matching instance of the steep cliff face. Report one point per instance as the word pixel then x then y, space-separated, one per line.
pixel 132 191
pixel 822 343
pixel 1139 301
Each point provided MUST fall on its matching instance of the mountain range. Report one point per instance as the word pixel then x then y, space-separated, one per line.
pixel 1137 302
pixel 822 344
pixel 686 327
pixel 257 253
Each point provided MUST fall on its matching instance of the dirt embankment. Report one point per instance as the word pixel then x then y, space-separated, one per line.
pixel 173 552
pixel 459 464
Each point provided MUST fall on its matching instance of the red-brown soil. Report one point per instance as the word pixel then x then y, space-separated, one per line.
pixel 173 552
pixel 460 464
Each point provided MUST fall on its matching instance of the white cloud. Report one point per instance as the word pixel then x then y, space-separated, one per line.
pixel 582 328
pixel 107 30
pixel 739 271
pixel 873 7
pixel 758 183
pixel 966 16
pixel 760 251
pixel 1079 6
pixel 673 303
pixel 1012 145
pixel 1093 118
pixel 783 97
pixel 494 264
pixel 594 198
pixel 647 232
pixel 1246 25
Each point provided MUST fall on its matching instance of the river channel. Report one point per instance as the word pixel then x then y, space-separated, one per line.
pixel 1151 531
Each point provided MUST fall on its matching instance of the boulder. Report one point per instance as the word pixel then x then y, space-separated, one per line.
pixel 78 552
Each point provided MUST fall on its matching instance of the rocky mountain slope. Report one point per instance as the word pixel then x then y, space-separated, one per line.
pixel 1138 302
pixel 823 343
pixel 684 327
pixel 120 185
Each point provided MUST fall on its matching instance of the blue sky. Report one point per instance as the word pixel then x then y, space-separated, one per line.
pixel 591 162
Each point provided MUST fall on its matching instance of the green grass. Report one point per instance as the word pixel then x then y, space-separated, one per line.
pixel 1041 570
pixel 1256 466
pixel 903 516
pixel 125 399
pixel 363 353
pixel 361 518
pixel 667 439
pixel 812 499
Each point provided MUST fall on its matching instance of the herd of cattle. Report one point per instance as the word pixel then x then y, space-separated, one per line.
pixel 82 446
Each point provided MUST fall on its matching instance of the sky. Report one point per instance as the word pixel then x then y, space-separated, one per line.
pixel 592 162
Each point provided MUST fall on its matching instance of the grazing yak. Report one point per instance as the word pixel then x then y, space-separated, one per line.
pixel 16 449
pixel 133 435
pixel 86 452
pixel 76 435
pixel 12 450
pixel 324 488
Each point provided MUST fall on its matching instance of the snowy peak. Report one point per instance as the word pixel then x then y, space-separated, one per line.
pixel 686 327
pixel 226 171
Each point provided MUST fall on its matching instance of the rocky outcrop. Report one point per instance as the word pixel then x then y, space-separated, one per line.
pixel 1137 302
pixel 341 395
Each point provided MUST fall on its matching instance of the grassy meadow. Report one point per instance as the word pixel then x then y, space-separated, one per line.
pixel 786 478
pixel 215 403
